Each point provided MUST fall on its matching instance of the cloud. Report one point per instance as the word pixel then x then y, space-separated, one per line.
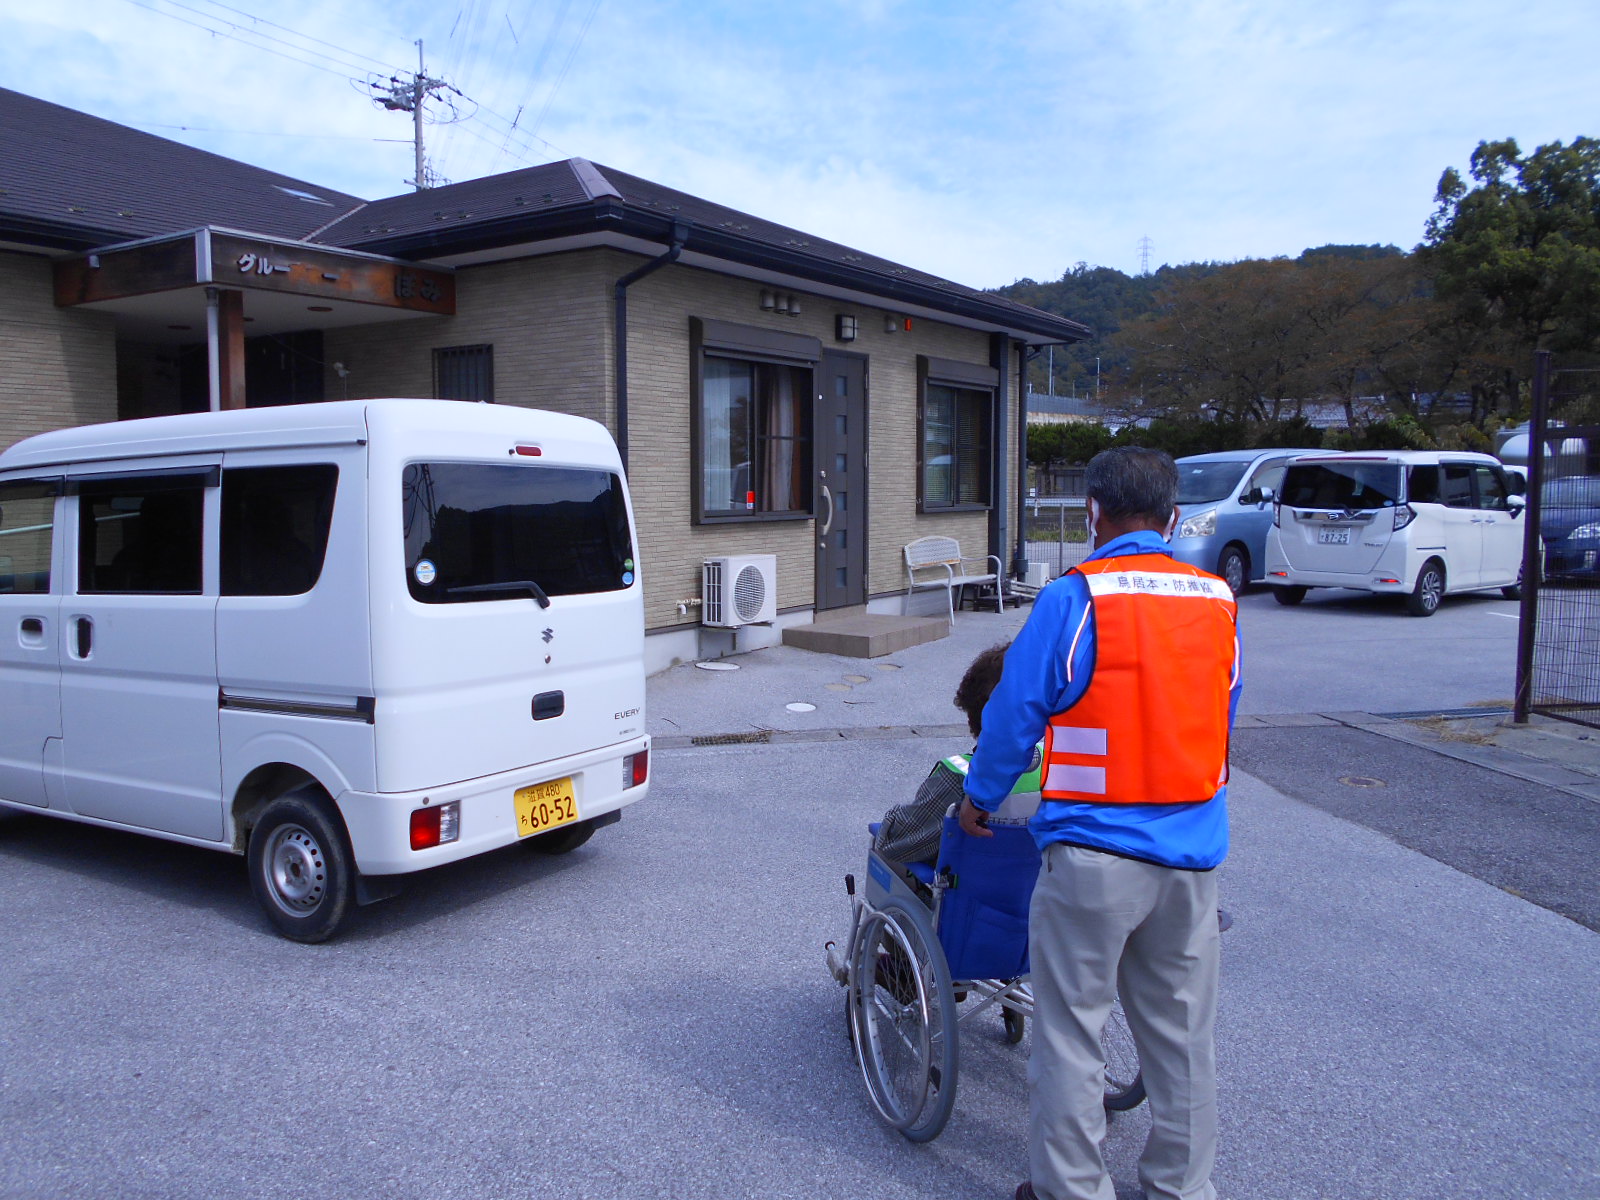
pixel 982 143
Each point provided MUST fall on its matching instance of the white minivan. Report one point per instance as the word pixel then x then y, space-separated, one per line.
pixel 1420 522
pixel 349 640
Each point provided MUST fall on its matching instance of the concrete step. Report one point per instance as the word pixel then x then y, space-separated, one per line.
pixel 865 635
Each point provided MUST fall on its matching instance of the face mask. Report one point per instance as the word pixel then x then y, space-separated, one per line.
pixel 1171 525
pixel 1094 519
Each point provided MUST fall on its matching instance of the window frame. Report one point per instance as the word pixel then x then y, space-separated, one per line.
pixel 48 487
pixel 711 338
pixel 205 479
pixel 962 376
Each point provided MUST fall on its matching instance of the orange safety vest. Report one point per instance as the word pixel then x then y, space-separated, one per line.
pixel 1152 728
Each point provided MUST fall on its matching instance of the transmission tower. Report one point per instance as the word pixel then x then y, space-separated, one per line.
pixel 1144 253
pixel 412 96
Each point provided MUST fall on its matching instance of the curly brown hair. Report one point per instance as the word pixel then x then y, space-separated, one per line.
pixel 972 693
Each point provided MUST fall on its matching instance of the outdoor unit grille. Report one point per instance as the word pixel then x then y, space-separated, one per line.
pixel 741 589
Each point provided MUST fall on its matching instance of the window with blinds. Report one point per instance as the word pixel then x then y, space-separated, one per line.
pixel 956 446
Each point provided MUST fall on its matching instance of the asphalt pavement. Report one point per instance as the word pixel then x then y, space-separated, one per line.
pixel 1408 1005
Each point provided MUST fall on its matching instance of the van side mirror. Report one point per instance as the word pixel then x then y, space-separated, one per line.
pixel 1516 504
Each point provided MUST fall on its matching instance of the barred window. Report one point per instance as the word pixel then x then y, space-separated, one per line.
pixel 464 373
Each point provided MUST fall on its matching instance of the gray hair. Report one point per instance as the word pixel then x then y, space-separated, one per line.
pixel 1132 481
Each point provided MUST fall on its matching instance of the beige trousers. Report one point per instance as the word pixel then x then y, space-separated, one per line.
pixel 1099 926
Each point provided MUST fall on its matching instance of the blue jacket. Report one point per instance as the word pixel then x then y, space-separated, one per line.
pixel 1037 684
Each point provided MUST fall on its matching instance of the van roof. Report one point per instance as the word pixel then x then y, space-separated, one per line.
pixel 1404 457
pixel 1245 455
pixel 331 423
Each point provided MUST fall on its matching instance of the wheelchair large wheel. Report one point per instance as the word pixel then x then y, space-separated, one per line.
pixel 1124 1081
pixel 903 1013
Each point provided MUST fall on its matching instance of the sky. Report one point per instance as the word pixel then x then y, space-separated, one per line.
pixel 982 141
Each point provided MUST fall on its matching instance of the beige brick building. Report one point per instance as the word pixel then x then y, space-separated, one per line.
pixel 772 393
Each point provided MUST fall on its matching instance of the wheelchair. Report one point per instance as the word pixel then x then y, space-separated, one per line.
pixel 931 948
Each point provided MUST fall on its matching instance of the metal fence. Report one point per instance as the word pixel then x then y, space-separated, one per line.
pixel 1055 532
pixel 1558 648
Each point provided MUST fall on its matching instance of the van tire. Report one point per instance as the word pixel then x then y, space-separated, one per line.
pixel 1514 592
pixel 1288 596
pixel 563 840
pixel 1234 567
pixel 1426 596
pixel 300 868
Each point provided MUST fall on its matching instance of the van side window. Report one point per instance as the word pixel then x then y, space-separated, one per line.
pixel 1491 488
pixel 1457 488
pixel 275 528
pixel 27 523
pixel 1422 484
pixel 140 535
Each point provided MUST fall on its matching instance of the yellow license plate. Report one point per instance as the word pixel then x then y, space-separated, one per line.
pixel 545 805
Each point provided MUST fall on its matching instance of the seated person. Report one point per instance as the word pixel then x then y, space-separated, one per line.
pixel 910 832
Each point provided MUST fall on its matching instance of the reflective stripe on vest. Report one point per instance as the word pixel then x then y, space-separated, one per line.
pixel 1152 728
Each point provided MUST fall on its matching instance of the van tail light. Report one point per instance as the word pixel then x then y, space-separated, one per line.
pixel 636 769
pixel 1404 514
pixel 1279 574
pixel 435 826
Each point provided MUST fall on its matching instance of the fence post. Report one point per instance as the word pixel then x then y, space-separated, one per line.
pixel 1528 617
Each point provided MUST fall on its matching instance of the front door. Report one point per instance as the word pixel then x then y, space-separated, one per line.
pixel 841 450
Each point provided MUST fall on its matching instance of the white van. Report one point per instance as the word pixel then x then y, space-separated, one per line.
pixel 1423 523
pixel 348 640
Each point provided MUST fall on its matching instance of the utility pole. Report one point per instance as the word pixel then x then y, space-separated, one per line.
pixel 411 96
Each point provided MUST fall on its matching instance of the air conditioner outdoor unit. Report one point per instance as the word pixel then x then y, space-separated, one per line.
pixel 741 589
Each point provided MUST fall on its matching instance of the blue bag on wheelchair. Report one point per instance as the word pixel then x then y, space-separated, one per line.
pixel 983 912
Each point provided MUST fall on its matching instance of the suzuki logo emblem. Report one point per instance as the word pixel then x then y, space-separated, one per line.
pixel 547 635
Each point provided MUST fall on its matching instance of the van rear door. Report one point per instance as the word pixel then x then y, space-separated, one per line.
pixel 1337 515
pixel 524 639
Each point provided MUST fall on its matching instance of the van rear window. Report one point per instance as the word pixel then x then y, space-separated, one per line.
pixel 1342 485
pixel 477 532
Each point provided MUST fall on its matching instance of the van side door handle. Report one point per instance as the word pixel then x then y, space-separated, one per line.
pixel 83 632
pixel 32 627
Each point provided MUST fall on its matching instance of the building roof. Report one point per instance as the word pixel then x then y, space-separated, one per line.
pixel 74 182
pixel 574 197
pixel 70 181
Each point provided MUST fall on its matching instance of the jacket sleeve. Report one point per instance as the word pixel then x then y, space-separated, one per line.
pixel 1047 671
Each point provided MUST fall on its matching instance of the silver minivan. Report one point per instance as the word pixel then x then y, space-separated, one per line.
pixel 1226 509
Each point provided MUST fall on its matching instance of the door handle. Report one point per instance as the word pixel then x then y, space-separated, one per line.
pixel 83 631
pixel 828 524
pixel 32 627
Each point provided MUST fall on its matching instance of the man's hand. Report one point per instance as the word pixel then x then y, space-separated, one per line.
pixel 974 821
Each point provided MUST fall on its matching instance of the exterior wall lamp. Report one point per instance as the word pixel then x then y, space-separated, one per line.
pixel 845 327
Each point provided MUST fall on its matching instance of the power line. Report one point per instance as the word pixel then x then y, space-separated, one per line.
pixel 344 137
pixel 302 36
pixel 242 41
pixel 566 66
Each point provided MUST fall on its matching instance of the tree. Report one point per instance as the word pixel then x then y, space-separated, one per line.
pixel 1516 255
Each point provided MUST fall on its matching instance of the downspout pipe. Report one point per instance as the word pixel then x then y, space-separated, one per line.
pixel 1019 561
pixel 680 236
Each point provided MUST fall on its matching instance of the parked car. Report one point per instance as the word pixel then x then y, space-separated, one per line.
pixel 1225 501
pixel 1569 525
pixel 1419 523
pixel 348 641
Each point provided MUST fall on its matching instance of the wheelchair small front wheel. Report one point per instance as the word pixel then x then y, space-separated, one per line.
pixel 1124 1079
pixel 903 1017
pixel 1016 1025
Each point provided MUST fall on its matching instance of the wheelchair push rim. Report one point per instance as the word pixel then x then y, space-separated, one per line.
pixel 903 1015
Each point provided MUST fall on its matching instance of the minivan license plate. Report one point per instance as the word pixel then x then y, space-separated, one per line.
pixel 545 805
pixel 1338 535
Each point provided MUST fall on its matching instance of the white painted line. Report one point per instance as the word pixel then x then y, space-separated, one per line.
pixel 1508 616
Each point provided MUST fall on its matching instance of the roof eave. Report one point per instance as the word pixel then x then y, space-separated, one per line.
pixel 611 215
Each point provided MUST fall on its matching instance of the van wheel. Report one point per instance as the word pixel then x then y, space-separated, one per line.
pixel 1514 592
pixel 1289 596
pixel 300 867
pixel 563 840
pixel 1425 597
pixel 1234 567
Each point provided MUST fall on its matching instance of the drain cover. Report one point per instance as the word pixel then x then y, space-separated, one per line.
pixel 1361 781
pixel 801 706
